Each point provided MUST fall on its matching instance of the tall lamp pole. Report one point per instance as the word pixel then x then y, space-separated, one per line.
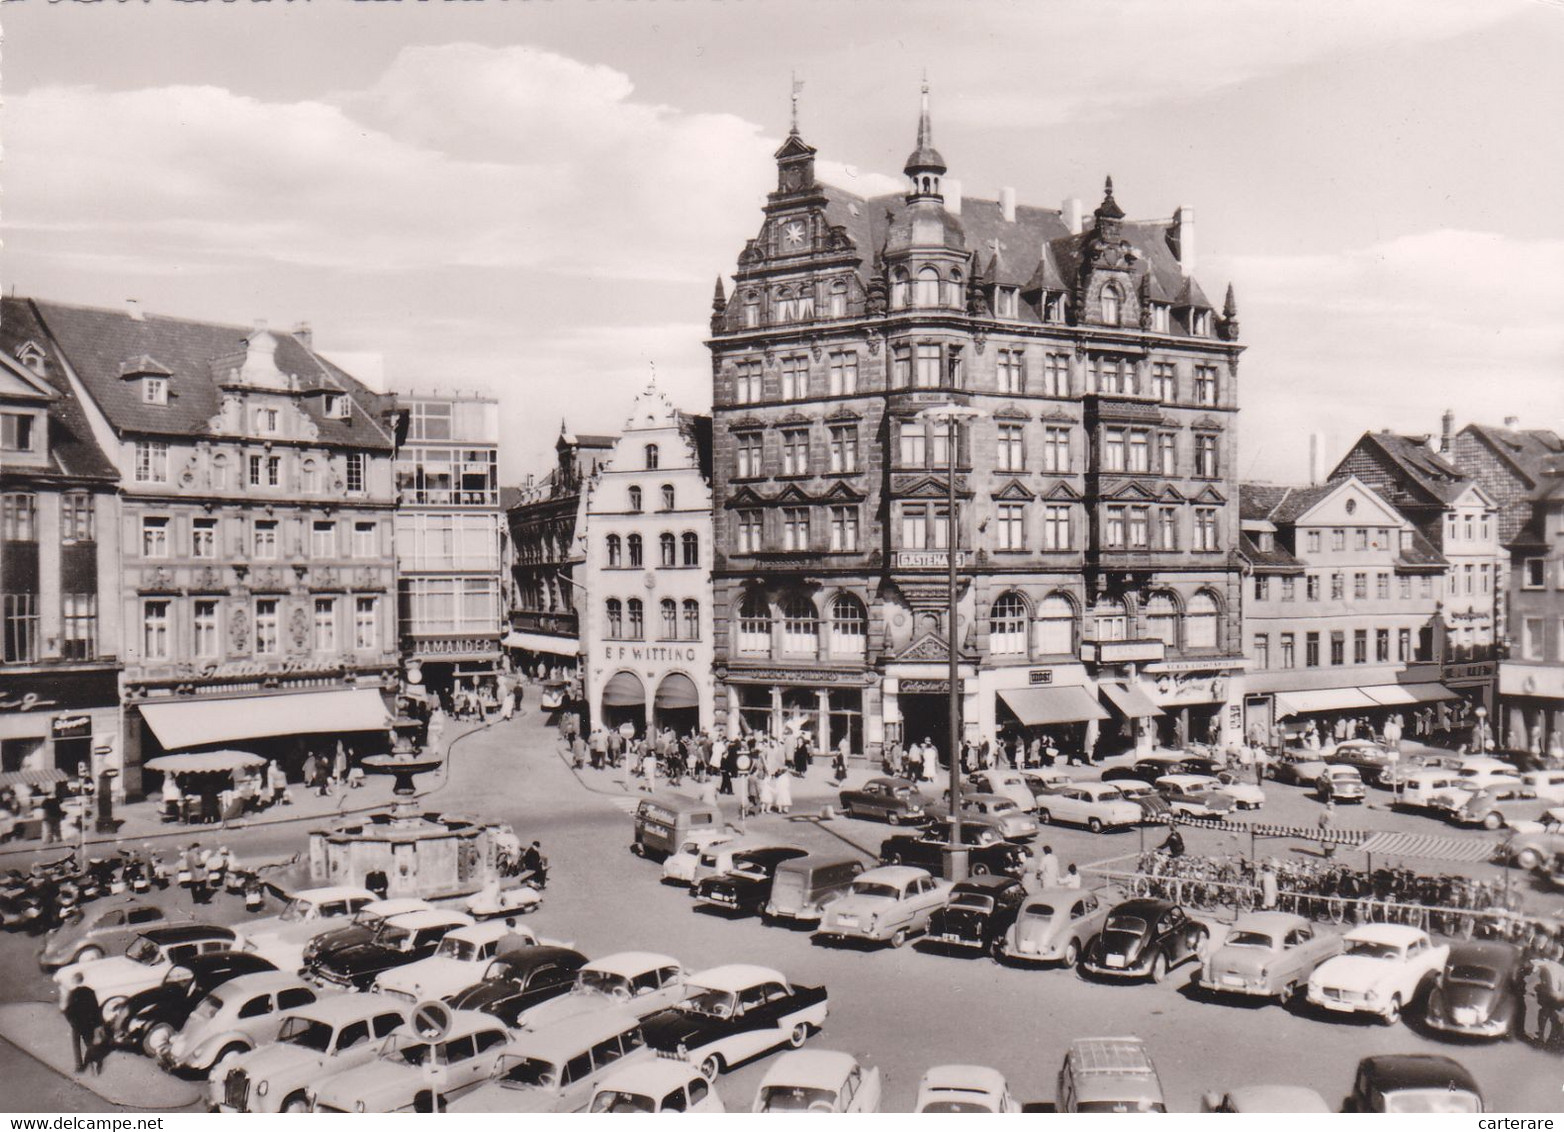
pixel 951 415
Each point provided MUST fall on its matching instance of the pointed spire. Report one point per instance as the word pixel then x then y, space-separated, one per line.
pixel 1230 304
pixel 1228 327
pixel 719 306
pixel 924 164
pixel 1109 207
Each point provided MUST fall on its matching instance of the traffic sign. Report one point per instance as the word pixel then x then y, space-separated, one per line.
pixel 432 1020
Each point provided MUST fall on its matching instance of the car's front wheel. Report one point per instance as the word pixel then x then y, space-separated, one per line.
pixel 1094 824
pixel 1392 1013
pixel 1528 859
pixel 711 1066
pixel 231 1050
pixel 157 1038
pixel 899 937
pixel 893 818
pixel 979 868
pixel 1493 821
pixel 298 1102
pixel 1159 967
pixel 798 1035
pixel 1072 953
pixel 1044 817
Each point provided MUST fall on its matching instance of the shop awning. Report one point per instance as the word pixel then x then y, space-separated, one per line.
pixel 1321 699
pixel 204 762
pixel 677 691
pixel 624 689
pixel 538 642
pixel 1130 701
pixel 1400 695
pixel 201 723
pixel 1035 707
pixel 1428 847
pixel 46 777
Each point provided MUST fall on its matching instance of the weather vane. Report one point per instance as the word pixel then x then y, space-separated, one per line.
pixel 798 86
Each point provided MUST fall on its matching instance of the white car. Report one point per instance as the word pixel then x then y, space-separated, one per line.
pixel 1012 822
pixel 407 1065
pixel 718 858
pixel 1548 785
pixel 1381 970
pixel 150 957
pixel 238 1016
pixel 1432 788
pixel 679 866
pixel 891 903
pixel 310 911
pixel 1240 788
pixel 1007 784
pixel 558 1069
pixel 818 1081
pixel 1483 772
pixel 1195 795
pixel 660 1085
pixel 457 963
pixel 964 1088
pixel 1096 805
pixel 642 982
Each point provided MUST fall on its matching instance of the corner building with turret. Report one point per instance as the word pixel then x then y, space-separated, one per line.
pixel 1096 501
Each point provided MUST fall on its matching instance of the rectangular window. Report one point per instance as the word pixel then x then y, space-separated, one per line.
pixel 844 448
pixel 266 421
pixel 750 525
pixel 1205 529
pixel 355 473
pixel 844 375
pixel 366 619
pixel 1011 369
pixel 1140 450
pixel 747 450
pixel 901 367
pixel 1288 650
pixel 323 539
pixel 1426 588
pixel 1113 529
pixel 274 471
pixel 1012 449
pixel 325 624
pixel 79 640
pixel 154 390
pixel 929 371
pixel 267 640
pixel 1338 540
pixel 265 539
pixel 1312 587
pixel 1113 450
pixel 1382 586
pixel 1468 572
pixel 204 625
pixel 795 452
pixel 795 528
pixel 1484 578
pixel 1167 528
pixel 1338 587
pixel 1262 650
pixel 154 537
pixel 256 466
pixel 1205 456
pixel 1532 644
pixel 19 517
pixel 1205 385
pixel 1262 587
pixel 1313 541
pixel 1403 645
pixel 795 377
pixel 1289 589
pixel 21 627
pixel 203 538
pixel 914 526
pixel 1360 586
pixel 1360 539
pixel 746 382
pixel 1338 648
pixel 1056 450
pixel 1311 650
pixel 1404 587
pixel 1360 646
pixel 16 432
pixel 1382 646
pixel 1056 375
pixel 155 624
pixel 1167 454
pixel 78 518
pixel 1056 526
pixel 365 542
pixel 1164 381
pixel 913 451
pixel 1012 526
pixel 1139 528
pixel 844 528
pixel 151 461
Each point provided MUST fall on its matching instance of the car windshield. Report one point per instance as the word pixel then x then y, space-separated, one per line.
pixel 1473 975
pixel 529 1073
pixel 793 1098
pixel 1372 949
pixel 1432 1100
pixel 144 951
pixel 973 900
pixel 875 888
pixel 616 1101
pixel 463 950
pixel 715 1003
pixel 1041 911
pixel 1105 794
pixel 364 918
pixel 1120 1106
pixel 953 1104
pixel 307 1033
pixel 394 937
pixel 1251 939
pixel 1132 789
pixel 296 911
pixel 602 982
pixel 1133 924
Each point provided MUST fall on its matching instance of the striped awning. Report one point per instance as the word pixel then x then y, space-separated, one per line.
pixel 1401 695
pixel 1130 701
pixel 46 777
pixel 1430 847
pixel 539 642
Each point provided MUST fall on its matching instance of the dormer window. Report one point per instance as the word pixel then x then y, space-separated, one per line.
pixel 154 390
pixel 32 356
pixel 1110 302
pixel 1055 307
pixel 1200 324
pixel 17 432
pixel 338 407
pixel 1266 541
pixel 1161 319
pixel 1005 302
pixel 266 421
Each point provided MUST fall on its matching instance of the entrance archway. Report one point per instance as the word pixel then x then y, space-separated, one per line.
pixel 677 704
pixel 624 701
pixel 927 717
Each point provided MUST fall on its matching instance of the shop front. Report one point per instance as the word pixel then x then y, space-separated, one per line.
pixel 1473 683
pixel 66 724
pixel 1196 698
pixel 825 704
pixel 1054 704
pixel 1531 700
pixel 447 666
pixel 1301 704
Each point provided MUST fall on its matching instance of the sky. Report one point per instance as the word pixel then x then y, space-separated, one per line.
pixel 532 198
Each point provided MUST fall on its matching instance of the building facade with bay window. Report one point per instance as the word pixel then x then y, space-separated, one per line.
pixel 1095 499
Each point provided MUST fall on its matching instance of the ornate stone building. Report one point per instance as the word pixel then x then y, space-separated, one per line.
pixel 1096 502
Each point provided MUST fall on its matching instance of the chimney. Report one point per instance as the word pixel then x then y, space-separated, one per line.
pixel 305 334
pixel 1073 214
pixel 133 309
pixel 952 190
pixel 1512 423
pixel 1316 458
pixel 1007 204
pixel 1184 239
pixel 1446 432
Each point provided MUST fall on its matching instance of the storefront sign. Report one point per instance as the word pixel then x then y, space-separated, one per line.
pixel 1205 664
pixel 71 727
pixel 791 676
pixel 1470 671
pixel 27 701
pixel 1191 688
pixel 927 687
pixel 656 652
pixel 1123 652
pixel 1040 676
pixel 62 691
pixel 926 559
pixel 479 646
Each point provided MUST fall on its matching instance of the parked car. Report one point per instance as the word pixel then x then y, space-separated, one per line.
pixel 361 928
pixel 734 1013
pixel 394 1079
pixel 746 887
pixel 1413 1082
pixel 1340 784
pixel 149 1020
pixel 1267 955
pixel 720 858
pixel 1194 795
pixel 802 888
pixel 977 913
pixel 1007 783
pixel 1144 939
pixel 964 1088
pixel 1536 844
pixel 1096 805
pixel 1477 994
pixel 1545 784
pixel 1425 788
pixel 1040 782
pixel 310 911
pixel 664 824
pixel 558 1069
pixel 1012 822
pixel 894 800
pixel 1146 769
pixel 642 982
pixel 1371 760
pixel 400 940
pixel 1296 767
pixel 1241 788
pixel 1499 806
pixel 659 1085
pixel 517 980
pixel 460 958
pixel 1265 1098
pixel 818 1081
pixel 1109 1075
pixel 1481 772
pixel 1381 970
pixel 987 853
pixel 679 866
pixel 1153 806
pixel 105 928
pixel 149 957
pixel 335 1034
pixel 1055 925
pixel 239 1015
pixel 890 904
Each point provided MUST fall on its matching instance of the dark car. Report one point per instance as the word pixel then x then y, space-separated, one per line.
pixel 895 800
pixel 1146 770
pixel 1413 1082
pixel 1153 806
pixel 519 979
pixel 987 853
pixel 399 941
pixel 978 913
pixel 1477 993
pixel 734 1013
pixel 1144 939
pixel 747 885
pixel 1371 760
pixel 148 1019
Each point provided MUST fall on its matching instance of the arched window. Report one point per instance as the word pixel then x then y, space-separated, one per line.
pixel 666 549
pixel 219 472
pixel 635 499
pixel 670 615
pixel 754 625
pixel 616 619
pixel 800 625
pixel 1007 625
pixel 634 542
pixel 839 299
pixel 667 497
pixel 751 309
pixel 1200 622
pixel 1056 626
pixel 1111 299
pixel 1110 619
pixel 692 548
pixel 899 287
pixel 806 302
pixel 692 619
pixel 613 550
pixel 309 480
pixel 636 618
pixel 651 457
pixel 783 309
pixel 849 626
pixel 1162 619
pixel 928 288
pixel 953 293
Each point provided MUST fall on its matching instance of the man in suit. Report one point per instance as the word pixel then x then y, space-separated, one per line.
pixel 86 1018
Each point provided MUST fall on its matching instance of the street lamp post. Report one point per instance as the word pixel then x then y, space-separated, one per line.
pixel 951 415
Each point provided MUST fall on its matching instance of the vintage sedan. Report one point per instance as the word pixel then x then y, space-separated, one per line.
pixel 1296 767
pixel 745 887
pixel 1241 788
pixel 679 866
pixel 1153 806
pixel 890 904
pixel 1382 969
pixel 310 911
pixel 106 928
pixel 1055 925
pixel 964 1088
pixel 1144 939
pixel 398 1078
pixel 558 1069
pixel 460 959
pixel 361 928
pixel 719 859
pixel 818 1081
pixel 146 961
pixel 642 982
pixel 1481 772
pixel 1371 760
pixel 336 1034
pixel 1096 805
pixel 1427 788
pixel 1338 783
pixel 1545 784
pixel 660 1085
pixel 149 1020
pixel 734 1013
pixel 1195 795
pixel 239 1015
pixel 1413 1082
pixel 894 800
pixel 401 940
pixel 1146 769
pixel 1012 822
pixel 1267 955
pixel 1506 805
pixel 517 980
pixel 1265 1098
pixel 1010 784
pixel 1478 993
pixel 987 852
pixel 1534 845
pixel 977 913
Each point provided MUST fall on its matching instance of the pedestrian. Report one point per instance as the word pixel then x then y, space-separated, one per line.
pixel 173 797
pixel 839 764
pixel 339 766
pixel 649 771
pixel 708 792
pixel 1327 820
pixel 1550 1002
pixel 53 818
pixel 534 865
pixel 507 700
pixel 1048 868
pixel 277 781
pixel 85 1016
pixel 194 872
pixel 784 793
pixel 1071 878
pixel 1268 887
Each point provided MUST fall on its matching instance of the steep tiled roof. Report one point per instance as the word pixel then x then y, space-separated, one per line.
pixel 1278 558
pixel 72 448
pixel 1258 500
pixel 1284 506
pixel 1420 553
pixel 1530 451
pixel 97 343
pixel 1420 465
pixel 509 497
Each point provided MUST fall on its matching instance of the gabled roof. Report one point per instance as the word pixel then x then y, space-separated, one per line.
pixel 1277 558
pixel 73 451
pixel 1529 451
pixel 1418 465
